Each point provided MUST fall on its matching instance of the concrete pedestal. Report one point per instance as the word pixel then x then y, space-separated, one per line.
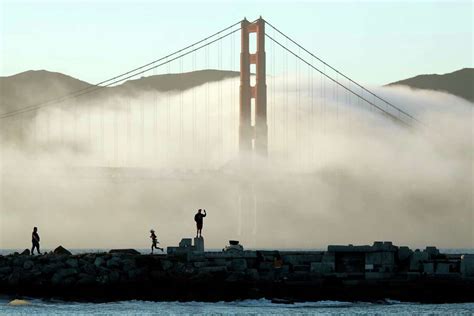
pixel 199 244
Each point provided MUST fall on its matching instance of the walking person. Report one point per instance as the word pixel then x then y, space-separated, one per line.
pixel 198 218
pixel 154 241
pixel 35 240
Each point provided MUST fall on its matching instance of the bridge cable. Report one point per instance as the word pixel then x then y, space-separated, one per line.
pixel 340 84
pixel 117 79
pixel 334 69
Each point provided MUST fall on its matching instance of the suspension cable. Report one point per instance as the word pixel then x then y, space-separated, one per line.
pixel 337 71
pixel 335 81
pixel 128 74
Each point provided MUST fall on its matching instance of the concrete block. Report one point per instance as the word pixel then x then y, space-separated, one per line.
pixel 185 242
pixel 296 259
pixel 380 258
pixel 432 251
pixel 329 257
pixel 199 244
pixel 377 275
pixel 322 268
pixel 428 267
pixel 442 268
pixel 417 259
pixel 404 253
pixel 239 264
pixel 467 266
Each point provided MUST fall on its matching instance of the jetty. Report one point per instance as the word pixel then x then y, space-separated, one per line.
pixel 187 272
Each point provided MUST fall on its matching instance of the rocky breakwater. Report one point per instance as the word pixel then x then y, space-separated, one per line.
pixel 367 273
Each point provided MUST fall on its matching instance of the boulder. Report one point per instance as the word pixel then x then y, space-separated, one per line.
pixel 52 267
pixel 73 263
pixel 114 277
pixel 5 270
pixel 89 269
pixel 124 251
pixel 26 252
pixel 99 261
pixel 28 265
pixel 114 262
pixel 166 264
pixel 61 251
pixel 85 279
pixel 63 274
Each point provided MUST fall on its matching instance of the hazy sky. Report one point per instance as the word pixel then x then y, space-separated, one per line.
pixel 374 42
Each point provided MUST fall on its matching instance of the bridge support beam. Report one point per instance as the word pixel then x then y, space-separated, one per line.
pixel 253 137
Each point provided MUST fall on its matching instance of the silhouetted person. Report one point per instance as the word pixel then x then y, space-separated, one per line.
pixel 35 239
pixel 154 241
pixel 198 218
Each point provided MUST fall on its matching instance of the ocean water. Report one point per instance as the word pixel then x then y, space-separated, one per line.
pixel 246 307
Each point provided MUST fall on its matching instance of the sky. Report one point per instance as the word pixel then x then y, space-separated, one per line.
pixel 374 42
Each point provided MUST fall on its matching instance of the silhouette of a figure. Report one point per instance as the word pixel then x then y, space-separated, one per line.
pixel 154 241
pixel 35 239
pixel 198 218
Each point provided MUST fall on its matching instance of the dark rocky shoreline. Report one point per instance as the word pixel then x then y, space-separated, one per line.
pixel 186 274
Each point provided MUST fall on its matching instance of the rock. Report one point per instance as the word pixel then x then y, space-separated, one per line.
pixel 61 251
pixel 136 274
pixel 158 275
pixel 89 269
pixel 28 265
pixel 166 264
pixel 114 262
pixel 237 276
pixel 124 251
pixel 26 252
pixel 213 269
pixel 85 279
pixel 99 261
pixel 5 270
pixel 52 267
pixel 252 275
pixel 114 277
pixel 17 302
pixel 321 268
pixel 128 264
pixel 63 274
pixel 14 278
pixel 239 264
pixel 73 263
pixel 200 264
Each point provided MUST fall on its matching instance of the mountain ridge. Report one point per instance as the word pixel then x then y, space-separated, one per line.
pixel 459 83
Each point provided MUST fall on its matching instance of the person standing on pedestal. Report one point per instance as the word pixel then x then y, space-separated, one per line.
pixel 198 218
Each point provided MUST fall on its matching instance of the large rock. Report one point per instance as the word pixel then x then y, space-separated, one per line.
pixel 5 270
pixel 62 275
pixel 52 267
pixel 124 251
pixel 26 252
pixel 99 261
pixel 73 263
pixel 28 265
pixel 114 263
pixel 61 251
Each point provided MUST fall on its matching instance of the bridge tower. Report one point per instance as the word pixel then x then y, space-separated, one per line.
pixel 253 138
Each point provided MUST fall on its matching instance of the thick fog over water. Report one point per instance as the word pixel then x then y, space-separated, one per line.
pixel 337 172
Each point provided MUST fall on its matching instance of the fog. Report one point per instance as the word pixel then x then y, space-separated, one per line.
pixel 101 173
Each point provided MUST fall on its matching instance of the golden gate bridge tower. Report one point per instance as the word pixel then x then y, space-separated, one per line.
pixel 253 99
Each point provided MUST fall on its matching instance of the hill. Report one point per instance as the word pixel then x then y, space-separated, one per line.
pixel 34 87
pixel 459 83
